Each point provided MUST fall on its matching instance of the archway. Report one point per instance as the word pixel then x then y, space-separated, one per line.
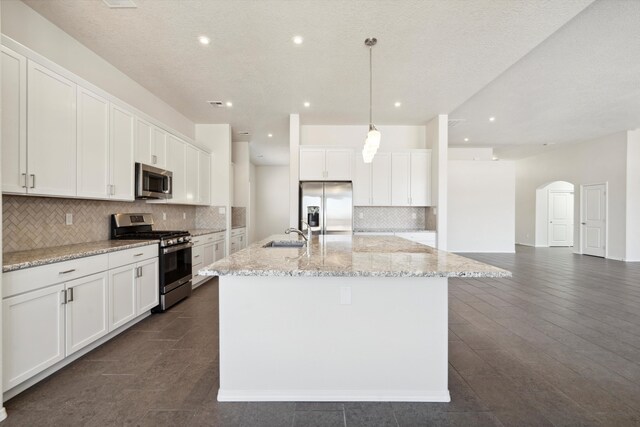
pixel 555 214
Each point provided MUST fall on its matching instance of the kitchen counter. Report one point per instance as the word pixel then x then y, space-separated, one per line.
pixel 12 261
pixel 195 232
pixel 393 230
pixel 350 256
pixel 238 226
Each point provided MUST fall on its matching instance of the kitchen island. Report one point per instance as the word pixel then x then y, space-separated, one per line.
pixel 346 318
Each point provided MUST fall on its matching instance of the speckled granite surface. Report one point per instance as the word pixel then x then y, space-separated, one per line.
pixel 202 231
pixel 350 256
pixel 25 259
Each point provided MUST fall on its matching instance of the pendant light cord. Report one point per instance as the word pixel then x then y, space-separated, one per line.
pixel 370 85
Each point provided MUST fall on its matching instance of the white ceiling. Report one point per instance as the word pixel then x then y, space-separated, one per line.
pixel 581 83
pixel 431 55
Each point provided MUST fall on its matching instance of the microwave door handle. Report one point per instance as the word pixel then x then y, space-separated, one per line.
pixel 169 185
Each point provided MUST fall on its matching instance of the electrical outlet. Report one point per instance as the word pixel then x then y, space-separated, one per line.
pixel 360 215
pixel 414 215
pixel 221 210
pixel 68 219
pixel 184 215
pixel 164 216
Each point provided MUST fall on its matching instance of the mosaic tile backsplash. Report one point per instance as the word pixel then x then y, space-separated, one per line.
pixel 238 217
pixel 39 222
pixel 389 218
pixel 209 217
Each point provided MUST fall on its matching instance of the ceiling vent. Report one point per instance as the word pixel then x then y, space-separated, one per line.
pixel 120 4
pixel 243 133
pixel 217 104
pixel 455 122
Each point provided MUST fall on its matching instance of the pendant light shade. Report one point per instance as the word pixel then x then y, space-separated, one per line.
pixel 372 143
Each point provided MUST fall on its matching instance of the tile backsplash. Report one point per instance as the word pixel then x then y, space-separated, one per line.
pixel 39 222
pixel 238 217
pixel 391 218
pixel 210 217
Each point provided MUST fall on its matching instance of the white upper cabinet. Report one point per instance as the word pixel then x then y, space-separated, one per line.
pixel 381 180
pixel 204 184
pixel 14 121
pixel 176 163
pixel 362 183
pixel 51 132
pixel 420 178
pixel 93 145
pixel 151 144
pixel 400 174
pixel 411 178
pixel 121 154
pixel 331 164
pixel 192 174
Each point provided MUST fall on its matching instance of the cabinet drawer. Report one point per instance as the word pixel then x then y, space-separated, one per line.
pixel 129 256
pixel 196 255
pixel 238 231
pixel 214 237
pixel 29 279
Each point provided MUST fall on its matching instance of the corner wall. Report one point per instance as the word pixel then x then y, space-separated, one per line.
pixel 633 195
pixel 597 161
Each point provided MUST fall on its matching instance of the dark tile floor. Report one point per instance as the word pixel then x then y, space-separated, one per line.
pixel 558 344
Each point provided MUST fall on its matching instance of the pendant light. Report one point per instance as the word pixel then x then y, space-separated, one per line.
pixel 372 142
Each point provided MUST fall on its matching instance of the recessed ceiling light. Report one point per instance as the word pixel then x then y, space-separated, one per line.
pixel 270 135
pixel 466 140
pixel 229 104
pixel 307 104
pixel 398 104
pixel 492 119
pixel 298 39
pixel 495 158
pixel 204 40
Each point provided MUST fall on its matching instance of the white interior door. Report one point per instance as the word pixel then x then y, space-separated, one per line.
pixel 594 220
pixel 560 218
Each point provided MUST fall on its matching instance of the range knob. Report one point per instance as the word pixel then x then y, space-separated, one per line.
pixel 181 239
pixel 169 242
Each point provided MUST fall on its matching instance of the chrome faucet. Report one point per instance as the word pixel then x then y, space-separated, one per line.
pixel 295 230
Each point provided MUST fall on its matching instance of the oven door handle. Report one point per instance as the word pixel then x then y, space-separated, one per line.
pixel 176 248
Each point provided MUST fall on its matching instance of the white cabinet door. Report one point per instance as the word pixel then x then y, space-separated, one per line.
pixel 159 148
pixel 93 145
pixel 121 154
pixel 204 182
pixel 13 103
pixel 312 162
pixel 218 250
pixel 86 311
pixel 144 141
pixel 192 174
pixel 400 178
pixel 33 334
pixel 147 286
pixel 176 152
pixel 420 179
pixel 362 183
pixel 381 180
pixel 196 264
pixel 338 164
pixel 51 132
pixel 208 254
pixel 122 295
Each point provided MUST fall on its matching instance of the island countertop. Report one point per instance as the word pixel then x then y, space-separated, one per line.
pixel 349 256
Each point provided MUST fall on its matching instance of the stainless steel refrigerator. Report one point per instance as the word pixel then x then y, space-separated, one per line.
pixel 335 203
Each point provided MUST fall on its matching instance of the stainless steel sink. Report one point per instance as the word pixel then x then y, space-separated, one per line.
pixel 285 244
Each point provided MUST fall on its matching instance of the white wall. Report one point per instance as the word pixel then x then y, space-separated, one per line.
pixel 633 196
pixel 393 137
pixel 459 153
pixel 3 412
pixel 240 159
pixel 29 28
pixel 437 138
pixel 481 206
pixel 597 161
pixel 272 200
pixel 542 209
pixel 294 166
pixel 251 212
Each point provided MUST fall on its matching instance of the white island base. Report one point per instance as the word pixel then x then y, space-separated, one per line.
pixel 333 339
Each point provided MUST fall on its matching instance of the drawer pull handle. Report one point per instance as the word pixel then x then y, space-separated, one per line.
pixel 140 254
pixel 68 271
pixel 70 295
pixel 197 256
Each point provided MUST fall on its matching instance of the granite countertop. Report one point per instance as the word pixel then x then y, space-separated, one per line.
pixel 12 261
pixel 202 231
pixel 393 230
pixel 350 256
pixel 238 226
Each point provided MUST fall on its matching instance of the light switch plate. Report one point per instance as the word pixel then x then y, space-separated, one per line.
pixel 360 215
pixel 164 216
pixel 221 210
pixel 414 215
pixel 184 215
pixel 68 219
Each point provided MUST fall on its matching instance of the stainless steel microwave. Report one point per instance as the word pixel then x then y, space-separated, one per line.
pixel 153 183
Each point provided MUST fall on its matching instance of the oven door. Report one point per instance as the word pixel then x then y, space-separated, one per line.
pixel 175 266
pixel 153 183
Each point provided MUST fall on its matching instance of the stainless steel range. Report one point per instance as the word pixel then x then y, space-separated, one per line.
pixel 174 254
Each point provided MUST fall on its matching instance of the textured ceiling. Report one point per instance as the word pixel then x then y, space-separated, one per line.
pixel 431 55
pixel 581 83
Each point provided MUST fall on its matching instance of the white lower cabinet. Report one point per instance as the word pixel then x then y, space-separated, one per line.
pixel 53 311
pixel 33 334
pixel 207 249
pixel 238 240
pixel 86 311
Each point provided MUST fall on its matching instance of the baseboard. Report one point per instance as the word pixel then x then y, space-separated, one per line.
pixel 483 252
pixel 333 396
